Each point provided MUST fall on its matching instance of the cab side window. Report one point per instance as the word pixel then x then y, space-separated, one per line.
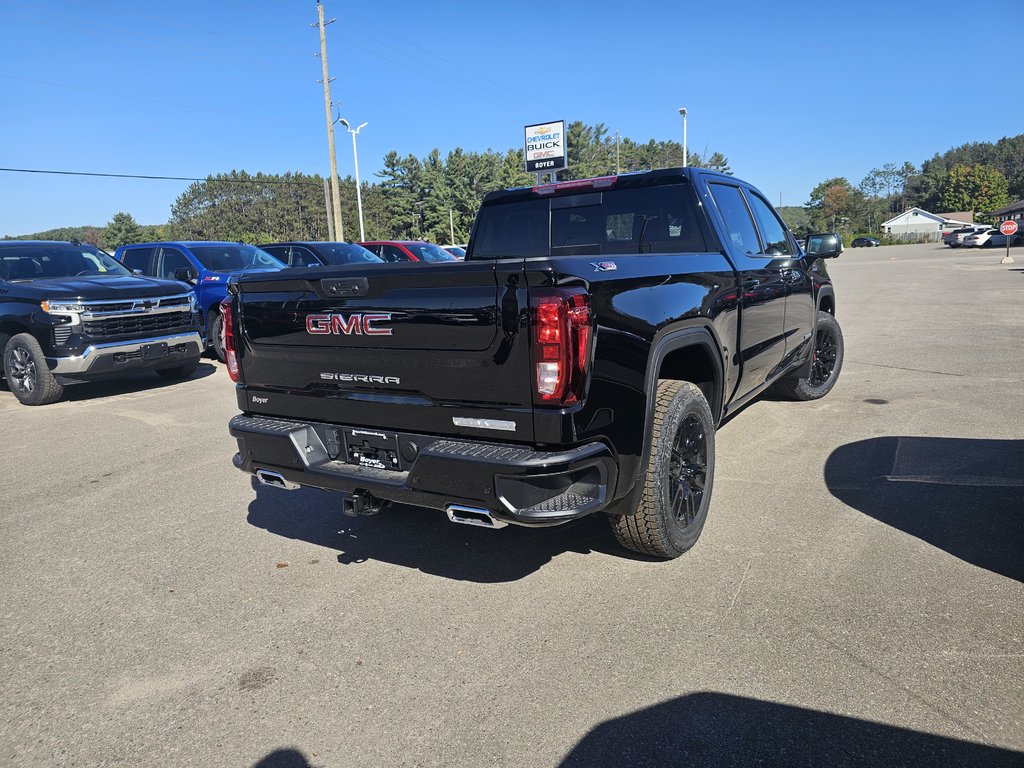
pixel 393 254
pixel 773 232
pixel 279 252
pixel 140 259
pixel 303 257
pixel 738 224
pixel 171 260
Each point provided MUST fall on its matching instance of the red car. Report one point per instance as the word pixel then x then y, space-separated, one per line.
pixel 393 251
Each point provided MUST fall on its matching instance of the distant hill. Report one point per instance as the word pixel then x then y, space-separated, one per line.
pixel 795 216
pixel 90 234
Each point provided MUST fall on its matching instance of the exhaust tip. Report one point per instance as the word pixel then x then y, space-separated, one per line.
pixel 275 479
pixel 481 518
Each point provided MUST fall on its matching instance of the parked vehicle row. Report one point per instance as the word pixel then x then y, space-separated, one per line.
pixel 70 312
pixel 957 237
pixel 993 238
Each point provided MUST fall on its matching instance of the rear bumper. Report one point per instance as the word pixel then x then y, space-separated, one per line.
pixel 517 484
pixel 113 357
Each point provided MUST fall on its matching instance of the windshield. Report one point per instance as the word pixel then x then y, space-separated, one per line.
pixel 34 262
pixel 456 251
pixel 347 253
pixel 231 257
pixel 429 252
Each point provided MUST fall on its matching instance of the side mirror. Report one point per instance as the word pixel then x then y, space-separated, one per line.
pixel 825 246
pixel 136 271
pixel 184 274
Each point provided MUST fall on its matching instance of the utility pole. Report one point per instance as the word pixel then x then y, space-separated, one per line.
pixel 617 171
pixel 451 225
pixel 327 206
pixel 335 193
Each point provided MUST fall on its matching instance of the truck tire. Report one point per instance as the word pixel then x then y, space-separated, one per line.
pixel 216 326
pixel 27 374
pixel 676 484
pixel 826 363
pixel 182 371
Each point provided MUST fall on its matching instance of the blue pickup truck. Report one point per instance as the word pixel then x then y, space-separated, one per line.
pixel 205 265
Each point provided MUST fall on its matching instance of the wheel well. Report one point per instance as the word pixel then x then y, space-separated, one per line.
pixel 827 304
pixel 694 364
pixel 12 329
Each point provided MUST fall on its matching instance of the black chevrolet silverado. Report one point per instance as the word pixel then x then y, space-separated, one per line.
pixel 579 359
pixel 69 313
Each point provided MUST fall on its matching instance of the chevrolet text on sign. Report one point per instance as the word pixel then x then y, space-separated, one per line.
pixel 545 147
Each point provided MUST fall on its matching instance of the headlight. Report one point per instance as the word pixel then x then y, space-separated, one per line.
pixel 68 309
pixel 61 307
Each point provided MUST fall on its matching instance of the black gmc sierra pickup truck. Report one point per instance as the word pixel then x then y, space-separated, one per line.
pixel 69 313
pixel 578 360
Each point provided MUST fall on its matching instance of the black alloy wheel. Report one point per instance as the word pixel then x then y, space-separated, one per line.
pixel 826 349
pixel 688 466
pixel 826 363
pixel 666 512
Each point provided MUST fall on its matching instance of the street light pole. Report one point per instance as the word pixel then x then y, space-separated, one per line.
pixel 682 111
pixel 355 157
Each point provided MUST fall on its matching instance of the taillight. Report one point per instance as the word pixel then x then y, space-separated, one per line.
pixel 227 315
pixel 561 324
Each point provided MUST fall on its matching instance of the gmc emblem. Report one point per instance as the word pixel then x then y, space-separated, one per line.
pixel 353 325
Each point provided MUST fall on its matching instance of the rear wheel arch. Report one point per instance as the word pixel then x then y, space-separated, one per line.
pixel 689 354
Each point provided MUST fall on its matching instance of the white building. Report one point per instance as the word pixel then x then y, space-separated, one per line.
pixel 917 221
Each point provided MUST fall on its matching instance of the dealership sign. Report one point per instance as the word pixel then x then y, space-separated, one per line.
pixel 545 147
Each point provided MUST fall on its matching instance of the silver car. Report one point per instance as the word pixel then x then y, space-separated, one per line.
pixel 979 239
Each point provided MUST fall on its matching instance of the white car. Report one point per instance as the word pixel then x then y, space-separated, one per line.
pixel 979 239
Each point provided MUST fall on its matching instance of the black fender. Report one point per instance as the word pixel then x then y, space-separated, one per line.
pixel 680 338
pixel 823 292
pixel 666 342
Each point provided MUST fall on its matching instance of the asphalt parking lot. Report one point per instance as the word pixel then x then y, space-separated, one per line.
pixel 856 597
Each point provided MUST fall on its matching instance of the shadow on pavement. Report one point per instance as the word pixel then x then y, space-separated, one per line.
pixel 424 539
pixel 961 495
pixel 137 382
pixel 715 729
pixel 284 758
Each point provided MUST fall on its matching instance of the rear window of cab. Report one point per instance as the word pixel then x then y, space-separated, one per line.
pixel 659 219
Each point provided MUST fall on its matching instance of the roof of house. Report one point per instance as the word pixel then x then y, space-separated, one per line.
pixel 1011 208
pixel 965 216
pixel 919 211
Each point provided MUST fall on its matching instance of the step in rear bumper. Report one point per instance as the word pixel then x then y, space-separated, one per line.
pixel 518 484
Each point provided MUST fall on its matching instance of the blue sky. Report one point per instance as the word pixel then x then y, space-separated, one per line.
pixel 790 93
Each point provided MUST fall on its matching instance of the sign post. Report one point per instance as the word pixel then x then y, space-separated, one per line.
pixel 545 149
pixel 1008 228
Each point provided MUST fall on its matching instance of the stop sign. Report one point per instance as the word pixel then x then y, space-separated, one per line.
pixel 1008 227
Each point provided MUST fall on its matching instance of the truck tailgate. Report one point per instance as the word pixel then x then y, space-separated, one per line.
pixel 393 346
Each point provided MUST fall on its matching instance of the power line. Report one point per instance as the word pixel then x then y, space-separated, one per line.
pixel 297 182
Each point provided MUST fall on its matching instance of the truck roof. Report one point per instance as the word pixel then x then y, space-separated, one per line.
pixel 618 181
